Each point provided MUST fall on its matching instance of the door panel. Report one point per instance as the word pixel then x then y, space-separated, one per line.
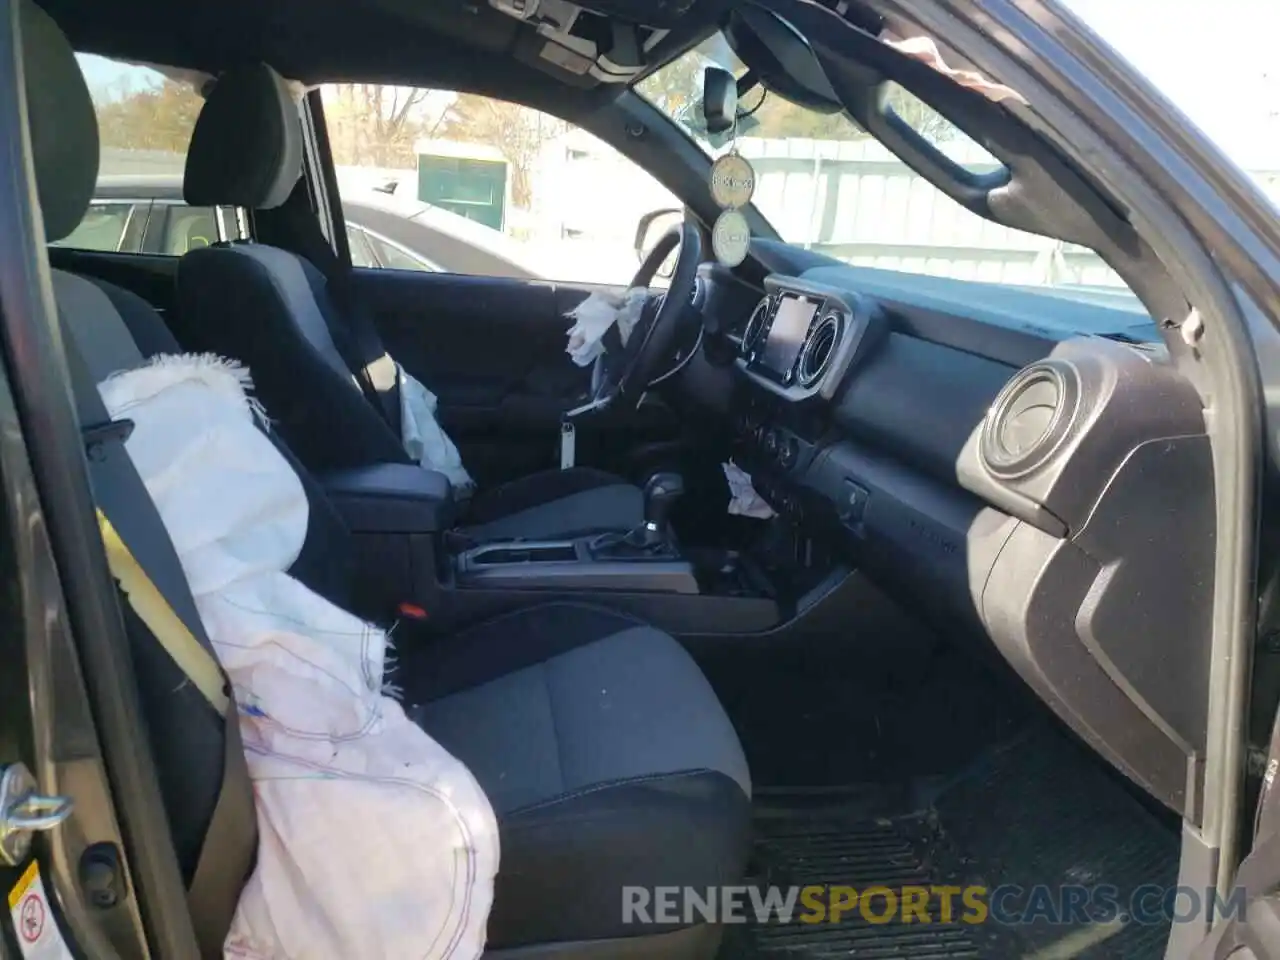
pixel 493 352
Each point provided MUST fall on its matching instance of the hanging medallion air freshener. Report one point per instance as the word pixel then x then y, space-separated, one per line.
pixel 731 238
pixel 733 182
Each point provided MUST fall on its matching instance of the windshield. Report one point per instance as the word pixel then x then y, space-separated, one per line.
pixel 825 184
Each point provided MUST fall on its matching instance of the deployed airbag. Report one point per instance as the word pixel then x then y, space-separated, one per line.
pixel 593 317
pixel 423 437
pixel 374 841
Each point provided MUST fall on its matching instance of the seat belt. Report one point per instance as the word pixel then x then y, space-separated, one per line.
pixel 230 845
pixel 293 226
pixel 153 610
pixel 230 842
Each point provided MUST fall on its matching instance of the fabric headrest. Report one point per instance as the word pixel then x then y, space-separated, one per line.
pixel 60 117
pixel 246 149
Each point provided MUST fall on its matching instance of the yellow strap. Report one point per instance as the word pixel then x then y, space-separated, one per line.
pixel 152 609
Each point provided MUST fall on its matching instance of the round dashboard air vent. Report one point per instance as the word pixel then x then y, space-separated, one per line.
pixel 1030 417
pixel 819 348
pixel 756 324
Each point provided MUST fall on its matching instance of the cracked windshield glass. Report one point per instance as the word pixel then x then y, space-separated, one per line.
pixel 445 180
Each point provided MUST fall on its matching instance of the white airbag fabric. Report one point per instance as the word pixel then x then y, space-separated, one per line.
pixel 595 315
pixel 374 842
pixel 744 500
pixel 423 437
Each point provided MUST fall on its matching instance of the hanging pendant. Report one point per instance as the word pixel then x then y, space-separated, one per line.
pixel 731 238
pixel 733 181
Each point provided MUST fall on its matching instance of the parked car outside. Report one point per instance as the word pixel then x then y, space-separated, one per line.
pixel 146 214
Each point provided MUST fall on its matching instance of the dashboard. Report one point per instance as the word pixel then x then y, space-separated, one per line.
pixel 1048 492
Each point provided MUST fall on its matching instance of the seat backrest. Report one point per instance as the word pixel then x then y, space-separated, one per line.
pixel 267 307
pixel 104 330
pixel 187 736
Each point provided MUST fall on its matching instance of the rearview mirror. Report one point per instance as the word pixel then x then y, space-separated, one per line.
pixel 650 229
pixel 780 58
pixel 719 100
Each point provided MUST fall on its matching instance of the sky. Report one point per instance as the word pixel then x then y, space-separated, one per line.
pixel 1217 60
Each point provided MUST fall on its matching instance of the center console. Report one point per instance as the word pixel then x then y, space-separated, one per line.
pixel 645 558
pixel 409 563
pixel 577 564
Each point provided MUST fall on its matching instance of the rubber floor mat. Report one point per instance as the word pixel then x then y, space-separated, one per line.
pixel 1037 814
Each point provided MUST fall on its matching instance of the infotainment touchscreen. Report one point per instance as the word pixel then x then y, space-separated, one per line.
pixel 787 332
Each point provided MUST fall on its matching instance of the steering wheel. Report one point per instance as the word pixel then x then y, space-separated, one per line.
pixel 624 372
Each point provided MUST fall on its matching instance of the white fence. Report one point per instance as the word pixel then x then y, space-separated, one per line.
pixel 855 201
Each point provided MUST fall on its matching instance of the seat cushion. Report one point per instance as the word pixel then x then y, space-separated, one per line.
pixel 607 758
pixel 555 504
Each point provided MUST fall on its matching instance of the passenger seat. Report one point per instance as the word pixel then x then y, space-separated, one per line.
pixel 605 753
pixel 319 363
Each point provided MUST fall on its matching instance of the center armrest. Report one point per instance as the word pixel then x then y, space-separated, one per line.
pixel 392 498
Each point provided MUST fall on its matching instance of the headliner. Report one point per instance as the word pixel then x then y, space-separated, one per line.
pixel 415 42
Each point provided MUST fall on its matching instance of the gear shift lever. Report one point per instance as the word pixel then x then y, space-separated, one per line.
pixel 660 496
pixel 649 539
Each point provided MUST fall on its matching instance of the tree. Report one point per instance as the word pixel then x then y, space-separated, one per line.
pixel 375 124
pixel 519 133
pixel 157 117
pixel 676 90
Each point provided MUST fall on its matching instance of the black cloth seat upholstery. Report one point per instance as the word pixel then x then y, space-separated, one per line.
pixel 606 756
pixel 603 749
pixel 332 393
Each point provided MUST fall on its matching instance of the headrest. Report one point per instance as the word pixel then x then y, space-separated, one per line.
pixel 246 149
pixel 64 128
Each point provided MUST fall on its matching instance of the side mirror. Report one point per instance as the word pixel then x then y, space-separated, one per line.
pixel 652 226
pixel 719 100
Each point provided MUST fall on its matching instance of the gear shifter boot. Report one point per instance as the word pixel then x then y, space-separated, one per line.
pixel 652 539
pixel 635 544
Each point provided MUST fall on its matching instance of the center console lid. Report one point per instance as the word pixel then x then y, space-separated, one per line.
pixel 392 498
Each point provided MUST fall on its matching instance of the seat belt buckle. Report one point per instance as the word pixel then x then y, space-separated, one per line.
pixel 568 440
pixel 97 435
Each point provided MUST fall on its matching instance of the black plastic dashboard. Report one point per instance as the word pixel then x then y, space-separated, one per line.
pixel 1049 493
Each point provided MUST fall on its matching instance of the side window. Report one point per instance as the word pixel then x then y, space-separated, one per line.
pixel 394 257
pixel 461 183
pixel 189 228
pixel 361 251
pixel 108 227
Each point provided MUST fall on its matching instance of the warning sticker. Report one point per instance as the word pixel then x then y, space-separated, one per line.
pixel 38 935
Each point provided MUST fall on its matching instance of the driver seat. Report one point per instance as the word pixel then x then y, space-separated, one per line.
pixel 318 365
